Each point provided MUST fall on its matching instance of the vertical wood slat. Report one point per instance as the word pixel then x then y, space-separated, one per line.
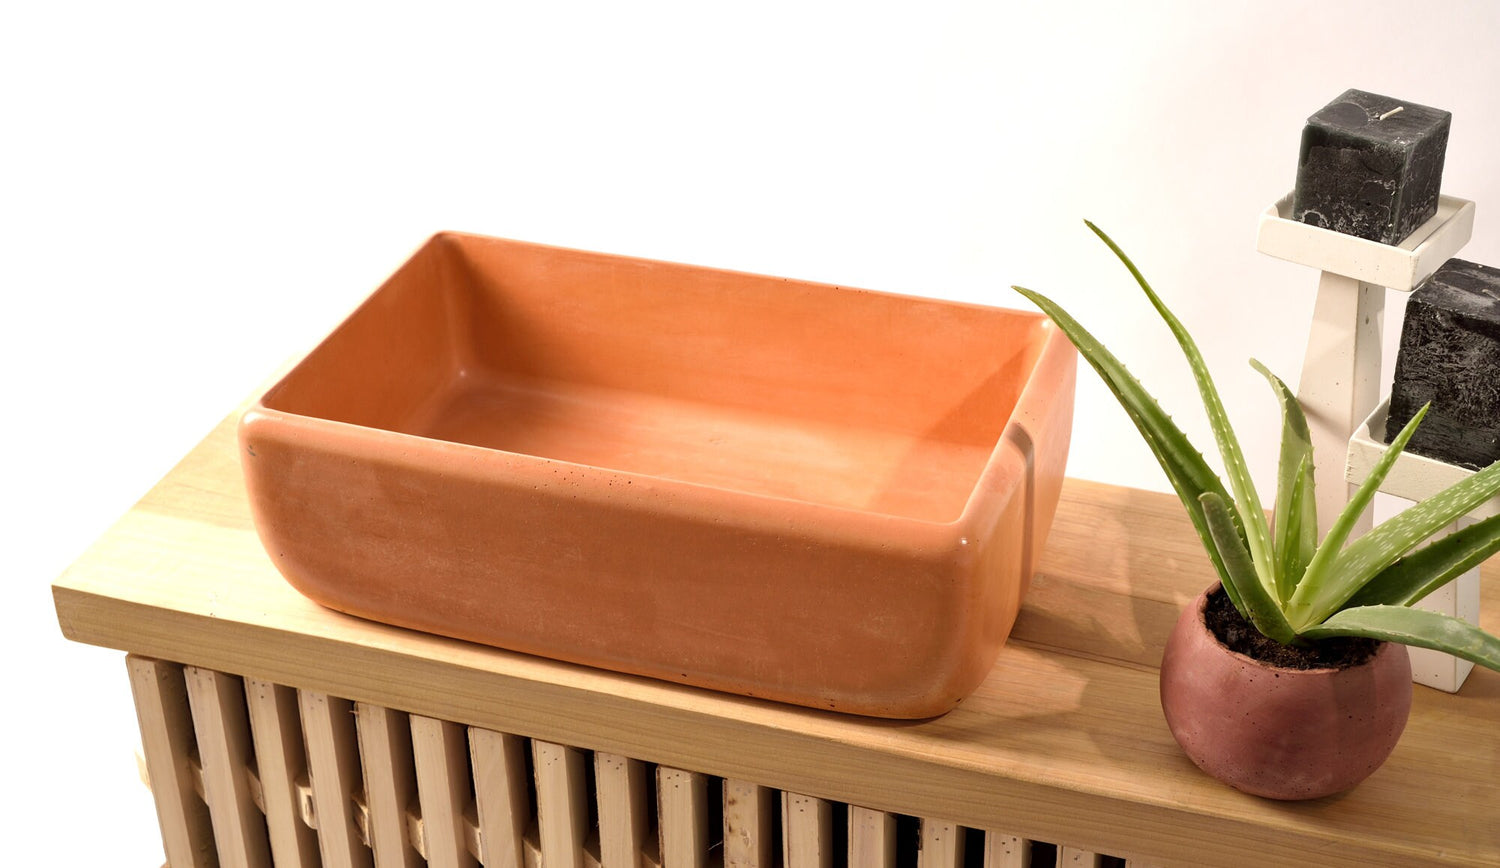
pixel 750 825
pixel 562 804
pixel 1006 851
pixel 503 807
pixel 625 808
pixel 390 783
pixel 280 759
pixel 872 838
pixel 241 745
pixel 222 724
pixel 807 831
pixel 333 766
pixel 1075 857
pixel 441 751
pixel 942 845
pixel 682 817
pixel 167 741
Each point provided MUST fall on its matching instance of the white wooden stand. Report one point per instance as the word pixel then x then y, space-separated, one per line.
pixel 1340 385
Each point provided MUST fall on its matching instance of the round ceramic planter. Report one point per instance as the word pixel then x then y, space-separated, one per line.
pixel 1280 733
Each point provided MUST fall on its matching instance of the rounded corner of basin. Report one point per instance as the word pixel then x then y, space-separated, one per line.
pixel 949 652
pixel 252 419
pixel 275 522
pixel 449 245
pixel 447 239
pixel 324 594
pixel 1040 430
pixel 949 695
pixel 325 590
pixel 924 707
pixel 260 428
pixel 939 682
pixel 253 424
pixel 1055 372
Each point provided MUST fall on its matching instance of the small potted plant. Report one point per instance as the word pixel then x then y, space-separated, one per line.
pixel 1289 678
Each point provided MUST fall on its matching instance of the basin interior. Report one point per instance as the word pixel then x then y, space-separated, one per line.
pixel 853 399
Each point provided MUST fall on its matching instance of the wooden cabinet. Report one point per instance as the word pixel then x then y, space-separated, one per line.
pixel 272 725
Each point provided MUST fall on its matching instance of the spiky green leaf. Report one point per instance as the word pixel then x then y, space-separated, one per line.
pixel 1296 548
pixel 1427 569
pixel 1252 516
pixel 1189 474
pixel 1325 585
pixel 1416 627
pixel 1295 516
pixel 1263 611
pixel 1370 554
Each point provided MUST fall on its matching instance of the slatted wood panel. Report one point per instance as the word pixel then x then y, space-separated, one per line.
pixel 170 746
pixel 281 760
pixel 445 789
pixel 503 802
pixel 222 727
pixel 808 837
pixel 333 763
pixel 1075 857
pixel 390 784
pixel 752 815
pixel 627 812
pixel 562 804
pixel 682 799
pixel 942 845
pixel 872 838
pixel 1006 851
pixel 245 771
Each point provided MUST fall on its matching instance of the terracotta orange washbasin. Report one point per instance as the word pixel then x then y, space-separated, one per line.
pixel 775 488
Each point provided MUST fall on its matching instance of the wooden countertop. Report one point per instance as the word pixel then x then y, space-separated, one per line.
pixel 1064 742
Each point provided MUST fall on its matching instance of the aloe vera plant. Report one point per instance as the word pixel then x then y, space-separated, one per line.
pixel 1286 583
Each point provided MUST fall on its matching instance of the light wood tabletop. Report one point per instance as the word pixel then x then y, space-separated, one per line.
pixel 1064 741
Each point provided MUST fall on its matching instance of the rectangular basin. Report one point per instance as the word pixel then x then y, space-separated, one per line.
pixel 781 489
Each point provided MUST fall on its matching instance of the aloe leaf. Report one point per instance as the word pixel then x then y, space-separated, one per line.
pixel 1326 584
pixel 1378 549
pixel 1247 502
pixel 1416 627
pixel 1296 531
pixel 1189 474
pixel 1260 608
pixel 1424 571
pixel 1308 518
pixel 1295 522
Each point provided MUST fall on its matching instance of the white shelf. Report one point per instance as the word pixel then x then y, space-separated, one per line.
pixel 1400 267
pixel 1415 477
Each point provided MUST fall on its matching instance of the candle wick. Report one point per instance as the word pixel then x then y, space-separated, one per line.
pixel 1398 108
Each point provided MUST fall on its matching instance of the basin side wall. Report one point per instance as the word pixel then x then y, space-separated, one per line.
pixel 632 575
pixel 764 344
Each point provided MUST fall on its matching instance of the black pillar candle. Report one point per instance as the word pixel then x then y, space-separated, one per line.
pixel 1450 355
pixel 1371 166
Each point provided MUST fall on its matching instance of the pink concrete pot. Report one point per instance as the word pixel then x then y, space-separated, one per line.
pixel 1280 733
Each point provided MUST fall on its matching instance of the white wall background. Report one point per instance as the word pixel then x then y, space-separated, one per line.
pixel 189 195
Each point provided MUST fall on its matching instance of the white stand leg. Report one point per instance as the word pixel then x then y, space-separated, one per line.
pixel 1459 599
pixel 1340 382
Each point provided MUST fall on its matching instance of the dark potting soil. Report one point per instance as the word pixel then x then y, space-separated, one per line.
pixel 1238 635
